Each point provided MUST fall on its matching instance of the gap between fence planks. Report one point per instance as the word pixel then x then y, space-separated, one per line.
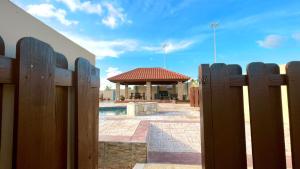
pixel 61 113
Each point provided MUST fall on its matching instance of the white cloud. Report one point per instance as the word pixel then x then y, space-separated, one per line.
pixel 86 6
pixel 110 72
pixel 271 41
pixel 170 46
pixel 296 36
pixel 49 11
pixel 104 48
pixel 115 16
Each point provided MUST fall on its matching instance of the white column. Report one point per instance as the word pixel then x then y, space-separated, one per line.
pixel 148 90
pixel 126 92
pixel 117 91
pixel 180 90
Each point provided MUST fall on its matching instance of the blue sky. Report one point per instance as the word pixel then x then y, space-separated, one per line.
pixel 126 34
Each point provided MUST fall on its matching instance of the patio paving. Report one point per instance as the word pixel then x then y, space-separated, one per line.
pixel 174 135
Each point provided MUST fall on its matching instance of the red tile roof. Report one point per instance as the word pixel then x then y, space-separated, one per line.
pixel 149 74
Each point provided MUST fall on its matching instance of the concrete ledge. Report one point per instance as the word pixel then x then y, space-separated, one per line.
pixel 123 152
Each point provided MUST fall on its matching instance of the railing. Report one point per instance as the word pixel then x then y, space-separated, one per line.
pixel 222 115
pixel 42 84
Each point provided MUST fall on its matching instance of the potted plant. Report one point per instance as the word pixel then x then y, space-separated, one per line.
pixel 122 98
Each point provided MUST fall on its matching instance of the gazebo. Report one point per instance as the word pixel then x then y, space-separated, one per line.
pixel 149 77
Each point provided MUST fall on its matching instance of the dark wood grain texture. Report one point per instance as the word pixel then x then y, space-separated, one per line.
pixel 35 127
pixel 61 114
pixel 2 46
pixel 293 81
pixel 266 117
pixel 86 116
pixel 196 95
pixel 192 97
pixel 2 52
pixel 206 119
pixel 228 118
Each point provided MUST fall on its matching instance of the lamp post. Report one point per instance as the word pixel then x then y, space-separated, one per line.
pixel 214 26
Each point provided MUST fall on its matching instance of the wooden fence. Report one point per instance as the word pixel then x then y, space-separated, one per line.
pixel 194 97
pixel 222 115
pixel 42 81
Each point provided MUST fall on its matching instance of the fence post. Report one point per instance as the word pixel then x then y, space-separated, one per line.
pixel 86 115
pixel 266 117
pixel 293 83
pixel 35 120
pixel 192 96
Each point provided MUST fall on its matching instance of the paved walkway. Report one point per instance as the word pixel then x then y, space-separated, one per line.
pixel 174 134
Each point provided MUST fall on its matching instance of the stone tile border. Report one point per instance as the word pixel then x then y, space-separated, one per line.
pixel 140 135
pixel 174 157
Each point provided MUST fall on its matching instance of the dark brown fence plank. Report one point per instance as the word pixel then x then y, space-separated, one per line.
pixel 35 120
pixel 86 116
pixel 192 97
pixel 2 46
pixel 266 118
pixel 7 66
pixel 206 119
pixel 228 118
pixel 61 114
pixel 2 52
pixel 196 95
pixel 293 78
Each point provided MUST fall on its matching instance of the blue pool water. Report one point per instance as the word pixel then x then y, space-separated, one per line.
pixel 113 110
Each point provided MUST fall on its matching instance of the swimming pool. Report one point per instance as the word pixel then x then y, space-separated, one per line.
pixel 120 110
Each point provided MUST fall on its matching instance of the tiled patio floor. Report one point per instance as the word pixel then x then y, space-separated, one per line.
pixel 173 137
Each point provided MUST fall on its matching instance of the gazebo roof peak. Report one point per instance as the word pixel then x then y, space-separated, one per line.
pixel 153 74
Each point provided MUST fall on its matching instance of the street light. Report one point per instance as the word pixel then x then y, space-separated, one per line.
pixel 214 26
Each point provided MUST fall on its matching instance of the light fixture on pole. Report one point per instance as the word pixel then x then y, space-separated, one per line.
pixel 214 26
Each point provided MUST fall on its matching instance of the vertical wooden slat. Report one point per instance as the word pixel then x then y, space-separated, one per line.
pixel 196 96
pixel 293 84
pixel 192 97
pixel 266 118
pixel 2 52
pixel 86 116
pixel 228 118
pixel 2 46
pixel 206 119
pixel 61 114
pixel 35 120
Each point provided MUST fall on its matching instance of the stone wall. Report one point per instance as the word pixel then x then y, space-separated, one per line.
pixel 121 155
